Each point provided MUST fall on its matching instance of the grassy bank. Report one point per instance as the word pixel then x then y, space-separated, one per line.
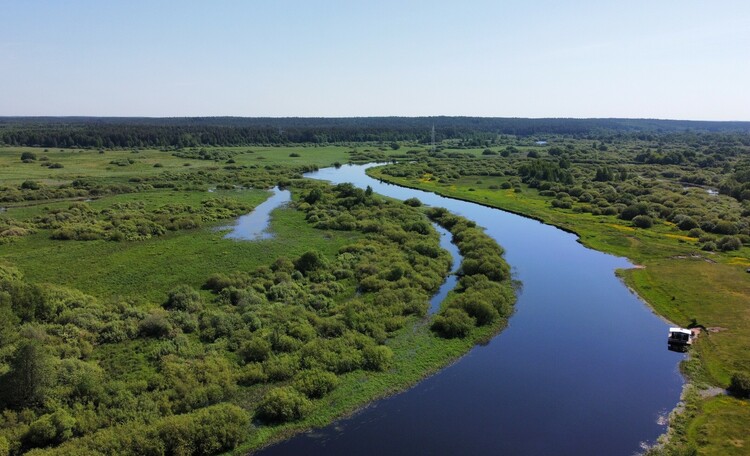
pixel 680 282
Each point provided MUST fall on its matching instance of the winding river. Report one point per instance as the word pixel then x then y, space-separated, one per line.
pixel 582 368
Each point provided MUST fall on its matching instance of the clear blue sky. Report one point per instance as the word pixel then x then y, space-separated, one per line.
pixel 679 59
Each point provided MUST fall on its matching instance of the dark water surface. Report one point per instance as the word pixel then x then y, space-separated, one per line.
pixel 581 369
pixel 254 226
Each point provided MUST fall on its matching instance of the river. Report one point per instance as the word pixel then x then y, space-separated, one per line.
pixel 582 368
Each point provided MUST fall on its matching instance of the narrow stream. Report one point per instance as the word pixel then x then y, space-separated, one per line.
pixel 583 367
pixel 254 226
pixel 450 282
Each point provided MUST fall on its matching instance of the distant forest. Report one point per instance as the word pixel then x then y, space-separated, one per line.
pixel 129 132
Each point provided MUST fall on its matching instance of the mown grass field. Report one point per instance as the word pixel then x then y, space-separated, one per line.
pixel 680 282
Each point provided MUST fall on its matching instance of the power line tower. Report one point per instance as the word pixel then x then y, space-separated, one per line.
pixel 433 139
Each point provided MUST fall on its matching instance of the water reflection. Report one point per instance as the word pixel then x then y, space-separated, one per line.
pixel 254 226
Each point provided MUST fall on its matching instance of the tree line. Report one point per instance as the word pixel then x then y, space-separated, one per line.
pixel 95 132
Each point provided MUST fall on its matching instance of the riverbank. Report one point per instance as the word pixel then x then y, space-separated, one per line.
pixel 714 295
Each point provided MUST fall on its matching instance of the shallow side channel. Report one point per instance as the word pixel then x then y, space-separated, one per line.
pixel 582 368
pixel 254 225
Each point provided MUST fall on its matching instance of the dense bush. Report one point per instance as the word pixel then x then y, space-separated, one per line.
pixel 377 358
pixel 315 383
pixel 283 404
pixel 740 385
pixel 453 323
pixel 643 221
pixel 309 262
pixel 184 298
pixel 156 324
pixel 205 432
pixel 727 243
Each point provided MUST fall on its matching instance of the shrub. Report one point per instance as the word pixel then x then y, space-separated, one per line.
pixel 309 261
pixel 30 185
pixel 634 210
pixel 241 297
pixel 156 325
pixel 4 446
pixel 184 298
pixel 187 322
pixel 294 155
pixel 284 343
pixel 377 357
pixel 453 323
pixel 217 282
pixel 251 374
pixel 481 311
pixel 28 156
pixel 695 232
pixel 728 243
pixel 709 246
pixel 725 227
pixel 413 202
pixel 740 385
pixel 216 324
pixel 207 431
pixel 283 404
pixel 281 367
pixel 315 383
pixel 643 221
pixel 52 428
pixel 562 204
pixel 256 349
pixel 686 223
